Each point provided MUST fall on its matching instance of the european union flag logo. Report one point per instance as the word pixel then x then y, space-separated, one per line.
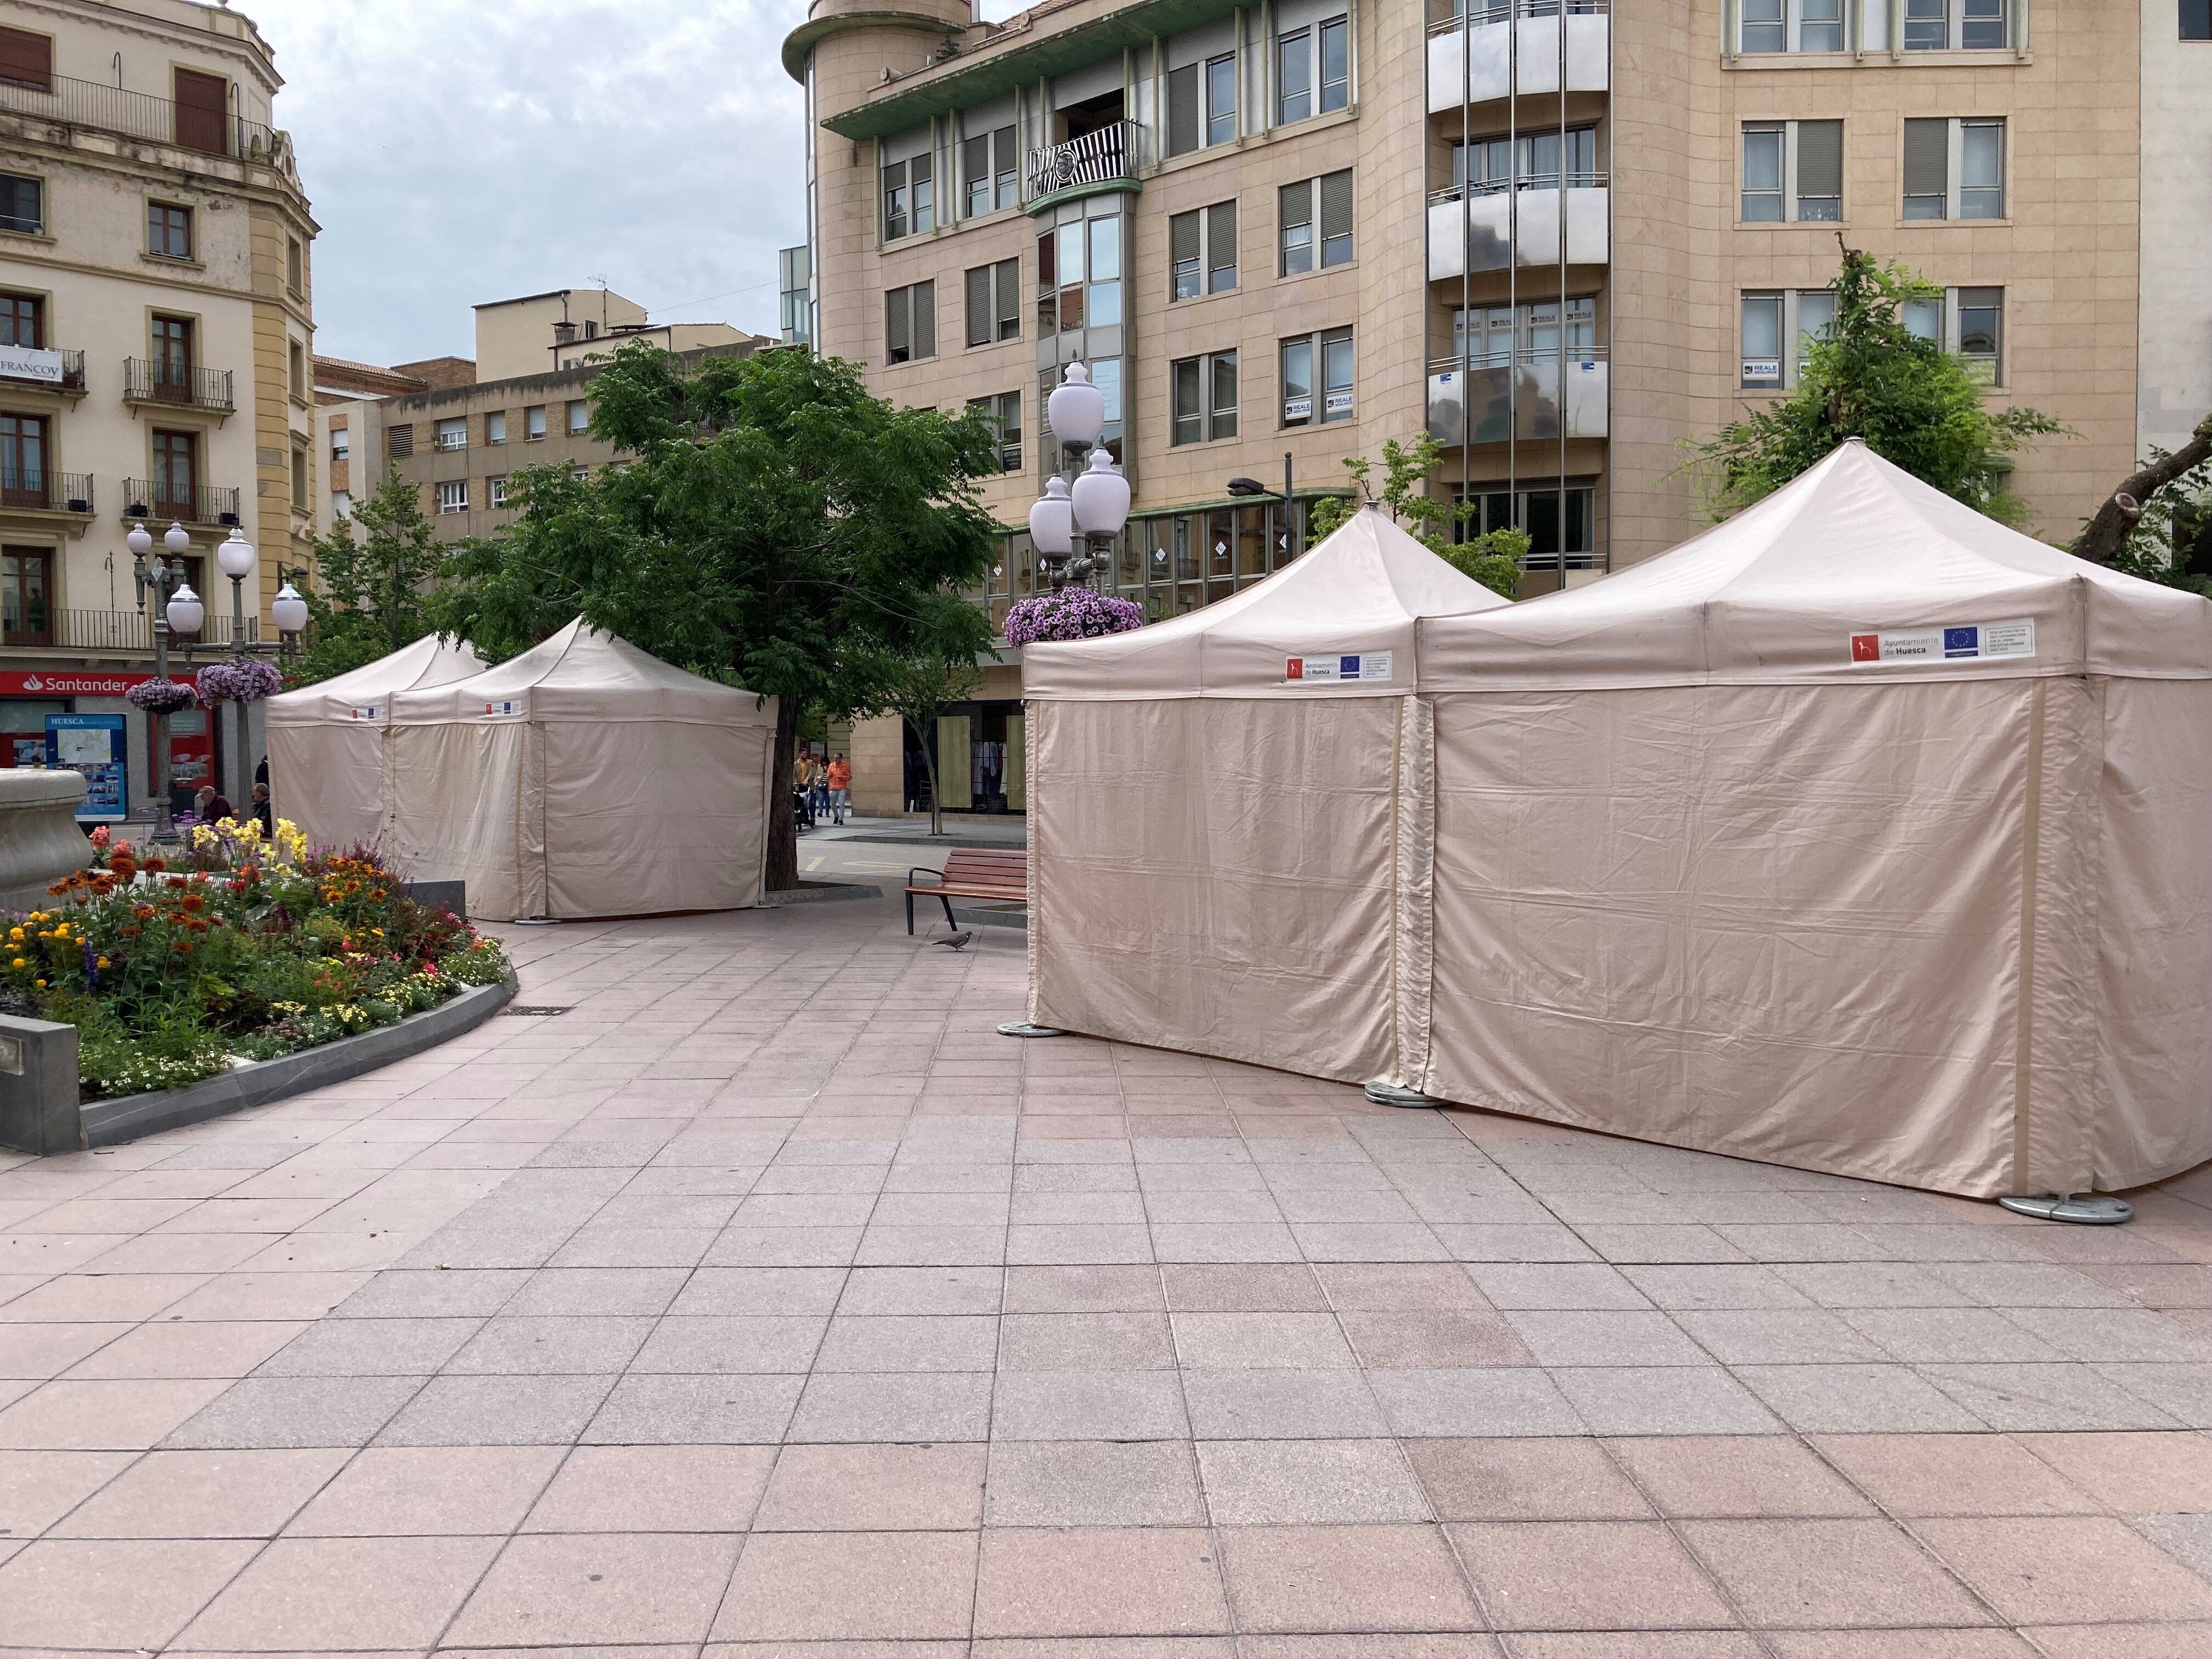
pixel 1347 668
pixel 1962 641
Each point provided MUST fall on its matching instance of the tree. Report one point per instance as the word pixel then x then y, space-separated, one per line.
pixel 2168 494
pixel 921 690
pixel 1869 376
pixel 778 528
pixel 1492 558
pixel 372 596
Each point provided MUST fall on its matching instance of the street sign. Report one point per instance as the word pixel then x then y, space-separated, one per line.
pixel 94 744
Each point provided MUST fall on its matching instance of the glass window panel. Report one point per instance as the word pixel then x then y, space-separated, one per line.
pixel 1221 100
pixel 1926 25
pixel 1298 382
pixel 1816 312
pixel 1764 22
pixel 1762 175
pixel 1224 395
pixel 1105 304
pixel 1335 64
pixel 1105 249
pixel 1982 25
pixel 1923 319
pixel 976 163
pixel 1294 75
pixel 1251 542
pixel 1821 26
pixel 1336 374
pixel 1762 339
pixel 1981 170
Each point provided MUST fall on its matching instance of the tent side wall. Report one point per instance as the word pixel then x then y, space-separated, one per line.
pixel 460 796
pixel 329 779
pixel 1780 922
pixel 2154 921
pixel 1215 876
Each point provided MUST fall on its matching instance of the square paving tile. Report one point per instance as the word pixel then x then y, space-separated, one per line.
pixel 80 1594
pixel 1308 1482
pixel 659 1489
pixel 1084 1290
pixel 220 1348
pixel 1830 1574
pixel 1075 1341
pixel 561 1344
pixel 874 1488
pixel 1779 1336
pixel 204 1494
pixel 399 1491
pixel 941 1290
pixel 582 1588
pixel 2061 1570
pixel 1098 1581
pixel 1737 1476
pixel 1101 1483
pixel 892 1586
pixel 1587 1575
pixel 1281 1405
pixel 1347 1578
pixel 910 1342
pixel 67 1416
pixel 1089 1406
pixel 306 1594
pixel 2053 1398
pixel 894 1405
pixel 1497 1401
pixel 2132 1474
pixel 1220 1341
pixel 766 1343
pixel 1527 1480
pixel 1856 1399
pixel 1963 1475
pixel 1414 1339
pixel 497 1411
pixel 728 1408
pixel 1548 1285
pixel 1662 1400
pixel 1243 1287
pixel 37 1488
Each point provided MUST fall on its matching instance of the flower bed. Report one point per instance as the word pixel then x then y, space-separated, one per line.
pixel 251 952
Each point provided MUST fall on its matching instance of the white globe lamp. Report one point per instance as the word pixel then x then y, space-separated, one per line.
pixel 1101 497
pixel 235 556
pixel 140 541
pixel 1077 410
pixel 289 609
pixel 177 538
pixel 185 612
pixel 1052 519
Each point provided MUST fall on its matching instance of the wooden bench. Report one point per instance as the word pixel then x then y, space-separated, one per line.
pixel 978 873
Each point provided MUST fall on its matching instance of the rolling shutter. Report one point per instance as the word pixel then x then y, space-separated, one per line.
pixel 1335 205
pixel 26 59
pixel 1182 110
pixel 1820 159
pixel 924 320
pixel 899 337
pixel 980 322
pixel 1221 246
pixel 1927 157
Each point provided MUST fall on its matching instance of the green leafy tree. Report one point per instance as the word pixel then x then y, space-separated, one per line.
pixel 923 690
pixel 1493 559
pixel 372 593
pixel 778 528
pixel 2169 539
pixel 1868 376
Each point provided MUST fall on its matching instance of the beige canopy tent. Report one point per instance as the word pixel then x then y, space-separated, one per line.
pixel 1860 834
pixel 327 765
pixel 585 778
pixel 1217 807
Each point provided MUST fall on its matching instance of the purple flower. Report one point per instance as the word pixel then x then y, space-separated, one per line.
pixel 243 680
pixel 1073 613
pixel 160 697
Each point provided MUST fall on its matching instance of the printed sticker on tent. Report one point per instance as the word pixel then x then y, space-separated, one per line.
pixel 1961 642
pixel 512 706
pixel 366 714
pixel 1345 666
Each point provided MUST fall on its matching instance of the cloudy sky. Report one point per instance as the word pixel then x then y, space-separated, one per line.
pixel 457 151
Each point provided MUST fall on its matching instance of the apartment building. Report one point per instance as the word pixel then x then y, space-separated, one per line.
pixel 156 323
pixel 457 429
pixel 1564 238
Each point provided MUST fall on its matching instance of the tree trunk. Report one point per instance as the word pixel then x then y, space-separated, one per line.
pixel 929 762
pixel 782 827
pixel 2105 535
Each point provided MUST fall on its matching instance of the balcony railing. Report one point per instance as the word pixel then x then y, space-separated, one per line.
pixel 1491 228
pixel 1531 396
pixel 195 504
pixel 1469 60
pixel 51 371
pixel 1096 158
pixel 46 492
pixel 142 115
pixel 158 380
pixel 120 630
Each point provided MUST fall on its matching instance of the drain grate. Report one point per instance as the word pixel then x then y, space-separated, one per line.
pixel 519 1011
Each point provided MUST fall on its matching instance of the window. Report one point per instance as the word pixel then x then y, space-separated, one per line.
pixel 172 359
pixel 299 480
pixel 1079 275
pixel 910 323
pixel 453 495
pixel 579 418
pixel 296 263
pixel 398 442
pixel 580 474
pixel 1559 518
pixel 27 578
pixel 1331 352
pixel 341 504
pixel 909 197
pixel 297 361
pixel 496 490
pixel 22 320
pixel 1221 100
pixel 1299 74
pixel 495 426
pixel 1202 252
pixel 1792 26
pixel 994 302
pixel 1967 320
pixel 1954 169
pixel 1961 25
pixel 1295 209
pixel 1793 171
pixel 23 460
pixel 22 204
pixel 534 424
pixel 990 165
pixel 1205 392
pixel 341 445
pixel 168 231
pixel 1777 326
pixel 1003 412
pixel 2196 20
pixel 453 434
pixel 1489 336
pixel 26 59
pixel 1489 165
pixel 176 475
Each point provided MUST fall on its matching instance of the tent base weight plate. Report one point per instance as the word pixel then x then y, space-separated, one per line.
pixel 2085 1211
pixel 1389 1094
pixel 1022 1028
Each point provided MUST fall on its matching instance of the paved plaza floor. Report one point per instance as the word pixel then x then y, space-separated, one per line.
pixel 768 1303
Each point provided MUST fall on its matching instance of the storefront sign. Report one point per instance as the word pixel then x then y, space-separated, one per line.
pixel 1967 643
pixel 93 744
pixel 1366 666
pixel 28 363
pixel 68 683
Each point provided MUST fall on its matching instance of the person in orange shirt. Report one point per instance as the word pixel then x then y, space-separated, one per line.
pixel 840 781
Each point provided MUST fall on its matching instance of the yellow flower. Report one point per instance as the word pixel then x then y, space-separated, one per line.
pixel 42 984
pixel 15 934
pixel 102 962
pixel 20 962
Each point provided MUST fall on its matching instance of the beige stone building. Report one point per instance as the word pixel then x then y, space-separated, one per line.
pixel 459 427
pixel 156 326
pixel 1566 238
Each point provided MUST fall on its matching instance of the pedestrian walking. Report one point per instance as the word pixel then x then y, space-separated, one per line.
pixel 802 786
pixel 840 775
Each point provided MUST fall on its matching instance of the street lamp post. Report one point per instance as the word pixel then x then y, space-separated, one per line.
pixel 1096 506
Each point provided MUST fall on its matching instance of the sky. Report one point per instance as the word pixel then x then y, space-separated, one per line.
pixel 460 151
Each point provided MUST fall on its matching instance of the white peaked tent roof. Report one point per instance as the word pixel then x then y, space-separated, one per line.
pixel 366 693
pixel 1358 591
pixel 581 673
pixel 1856 548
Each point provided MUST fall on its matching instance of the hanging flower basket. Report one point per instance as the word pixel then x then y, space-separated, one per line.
pixel 246 679
pixel 1073 613
pixel 161 696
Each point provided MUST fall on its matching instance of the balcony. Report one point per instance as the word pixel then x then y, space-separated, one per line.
pixel 1107 157
pixel 158 381
pixel 47 492
pixel 1495 228
pixel 1468 56
pixel 1535 397
pixel 200 504
pixel 118 631
pixel 40 370
pixel 72 103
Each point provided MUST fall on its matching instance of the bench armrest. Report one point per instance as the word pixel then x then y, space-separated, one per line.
pixel 923 870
